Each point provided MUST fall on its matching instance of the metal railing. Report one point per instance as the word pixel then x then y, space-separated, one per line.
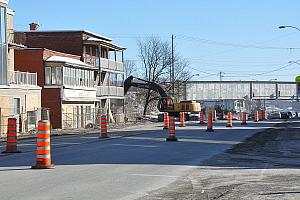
pixel 110 91
pixel 22 78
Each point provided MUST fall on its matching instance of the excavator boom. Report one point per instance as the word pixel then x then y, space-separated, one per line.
pixel 165 104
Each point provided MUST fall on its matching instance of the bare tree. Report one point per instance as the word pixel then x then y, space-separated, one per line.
pixel 155 55
pixel 130 68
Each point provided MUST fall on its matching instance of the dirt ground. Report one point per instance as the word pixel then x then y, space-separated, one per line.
pixel 265 166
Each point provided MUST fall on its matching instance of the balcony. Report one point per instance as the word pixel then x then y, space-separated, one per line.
pixel 22 78
pixel 110 91
pixel 111 65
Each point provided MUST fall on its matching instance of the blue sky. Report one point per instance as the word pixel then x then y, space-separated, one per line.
pixel 237 37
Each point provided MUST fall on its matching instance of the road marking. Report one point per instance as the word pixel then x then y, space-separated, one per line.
pixel 70 143
pixel 134 145
pixel 87 137
pixel 29 144
pixel 189 140
pixel 155 175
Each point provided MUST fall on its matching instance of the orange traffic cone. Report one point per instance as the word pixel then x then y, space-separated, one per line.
pixel 43 152
pixel 202 118
pixel 244 118
pixel 171 136
pixel 229 120
pixel 182 120
pixel 166 120
pixel 209 123
pixel 103 131
pixel 12 140
pixel 256 116
pixel 260 115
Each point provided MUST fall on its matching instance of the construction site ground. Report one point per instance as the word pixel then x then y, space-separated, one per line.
pixel 265 166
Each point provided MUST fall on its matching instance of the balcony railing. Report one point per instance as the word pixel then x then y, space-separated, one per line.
pixel 22 78
pixel 111 65
pixel 110 91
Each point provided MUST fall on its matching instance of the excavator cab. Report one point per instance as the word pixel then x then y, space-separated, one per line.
pixel 165 104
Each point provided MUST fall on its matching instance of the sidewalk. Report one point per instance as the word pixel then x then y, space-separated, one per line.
pixel 115 130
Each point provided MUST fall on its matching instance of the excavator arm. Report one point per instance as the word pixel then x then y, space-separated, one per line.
pixel 165 103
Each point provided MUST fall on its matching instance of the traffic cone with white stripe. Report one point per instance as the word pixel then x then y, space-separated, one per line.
pixel 43 152
pixel 166 120
pixel 11 141
pixel 244 118
pixel 229 120
pixel 202 118
pixel 171 136
pixel 209 123
pixel 182 120
pixel 256 116
pixel 103 127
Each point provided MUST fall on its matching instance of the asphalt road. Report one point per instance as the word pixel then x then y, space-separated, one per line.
pixel 125 168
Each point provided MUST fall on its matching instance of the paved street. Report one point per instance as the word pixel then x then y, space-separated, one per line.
pixel 125 168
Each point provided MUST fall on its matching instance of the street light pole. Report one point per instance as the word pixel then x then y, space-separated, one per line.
pixel 172 68
pixel 281 27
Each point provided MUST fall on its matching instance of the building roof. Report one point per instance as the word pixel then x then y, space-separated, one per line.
pixel 71 31
pixel 93 40
pixel 69 61
pixel 88 37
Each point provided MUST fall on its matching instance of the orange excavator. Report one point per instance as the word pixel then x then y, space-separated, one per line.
pixel 165 103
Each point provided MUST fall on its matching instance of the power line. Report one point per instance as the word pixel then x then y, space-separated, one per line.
pixel 213 42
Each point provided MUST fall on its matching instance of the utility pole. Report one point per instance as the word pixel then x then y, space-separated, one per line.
pixel 172 69
pixel 221 76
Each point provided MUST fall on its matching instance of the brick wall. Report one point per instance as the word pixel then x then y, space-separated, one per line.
pixel 72 41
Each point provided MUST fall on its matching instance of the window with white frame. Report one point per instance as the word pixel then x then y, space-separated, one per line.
pixel 88 112
pixel 16 106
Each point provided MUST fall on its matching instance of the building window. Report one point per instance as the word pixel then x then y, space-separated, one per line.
pixel 48 75
pixel 88 112
pixel 16 106
pixel 76 77
pixel 58 76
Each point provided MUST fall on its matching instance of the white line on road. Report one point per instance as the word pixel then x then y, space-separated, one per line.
pixel 155 175
pixel 64 143
pixel 134 145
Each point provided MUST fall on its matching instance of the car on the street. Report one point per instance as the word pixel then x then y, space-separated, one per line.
pixel 284 115
pixel 274 115
pixel 194 116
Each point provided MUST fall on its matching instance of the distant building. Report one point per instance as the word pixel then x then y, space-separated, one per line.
pixel 252 90
pixel 19 93
pixel 238 96
pixel 97 53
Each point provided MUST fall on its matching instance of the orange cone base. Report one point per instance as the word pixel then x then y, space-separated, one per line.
pixel 181 125
pixel 229 126
pixel 210 130
pixel 43 167
pixel 104 136
pixel 43 164
pixel 171 139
